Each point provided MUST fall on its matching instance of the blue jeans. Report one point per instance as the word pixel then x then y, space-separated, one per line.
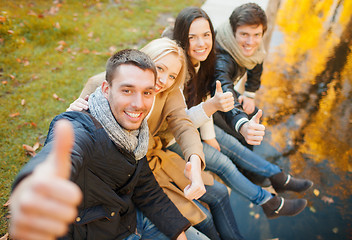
pixel 147 230
pixel 218 200
pixel 234 153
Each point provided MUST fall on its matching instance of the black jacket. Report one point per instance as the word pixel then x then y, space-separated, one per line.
pixel 113 185
pixel 226 70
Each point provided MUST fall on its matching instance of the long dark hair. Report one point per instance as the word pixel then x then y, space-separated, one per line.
pixel 199 84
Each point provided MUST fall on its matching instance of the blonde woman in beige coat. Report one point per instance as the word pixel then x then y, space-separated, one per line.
pixel 183 181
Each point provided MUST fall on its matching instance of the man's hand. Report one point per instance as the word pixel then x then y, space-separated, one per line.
pixel 193 172
pixel 248 104
pixel 182 236
pixel 79 104
pixel 253 131
pixel 214 143
pixel 45 203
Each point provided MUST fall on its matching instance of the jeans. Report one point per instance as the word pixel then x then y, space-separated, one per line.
pixel 218 200
pixel 147 230
pixel 234 153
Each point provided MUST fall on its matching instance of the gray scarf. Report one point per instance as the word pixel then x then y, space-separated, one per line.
pixel 135 141
pixel 226 39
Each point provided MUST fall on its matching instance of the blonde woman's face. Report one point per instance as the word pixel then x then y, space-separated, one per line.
pixel 168 68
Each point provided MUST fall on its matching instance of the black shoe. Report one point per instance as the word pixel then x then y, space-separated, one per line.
pixel 278 206
pixel 284 182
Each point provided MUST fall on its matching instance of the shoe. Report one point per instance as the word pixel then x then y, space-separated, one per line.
pixel 278 206
pixel 284 182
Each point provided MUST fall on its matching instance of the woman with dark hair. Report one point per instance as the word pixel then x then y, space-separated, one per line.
pixel 194 32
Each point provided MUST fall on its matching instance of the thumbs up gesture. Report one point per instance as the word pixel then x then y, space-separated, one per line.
pixel 253 131
pixel 223 101
pixel 45 203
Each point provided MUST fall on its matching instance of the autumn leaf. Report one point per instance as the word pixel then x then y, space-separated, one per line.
pixel 36 146
pixel 90 35
pixel 4 82
pixel 2 19
pixel 58 98
pixel 16 114
pixel 23 102
pixel 5 237
pixel 86 51
pixel 62 43
pixel 28 148
pixel 12 76
pixel 316 192
pixel 328 200
pixel 10 32
pixel 7 203
pixel 80 68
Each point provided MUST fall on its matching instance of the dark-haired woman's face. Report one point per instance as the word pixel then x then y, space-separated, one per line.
pixel 200 40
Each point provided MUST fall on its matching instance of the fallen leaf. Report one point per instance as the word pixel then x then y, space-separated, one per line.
pixel 328 200
pixel 86 51
pixel 80 68
pixel 16 114
pixel 31 13
pixel 60 48
pixel 18 60
pixel 12 76
pixel 2 19
pixel 36 146
pixel 33 124
pixel 4 82
pixel 10 32
pixel 28 148
pixel 57 25
pixel 62 43
pixel 335 230
pixel 5 237
pixel 316 192
pixel 25 63
pixel 256 216
pixel 112 49
pixel 7 203
pixel 23 102
pixel 90 35
pixel 312 209
pixel 58 98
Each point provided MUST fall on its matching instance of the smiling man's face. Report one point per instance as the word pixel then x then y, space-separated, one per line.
pixel 130 95
pixel 249 37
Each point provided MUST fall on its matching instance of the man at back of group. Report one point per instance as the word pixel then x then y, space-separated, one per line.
pixel 99 154
pixel 240 51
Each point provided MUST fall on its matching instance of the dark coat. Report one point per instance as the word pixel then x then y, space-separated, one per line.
pixel 226 71
pixel 113 183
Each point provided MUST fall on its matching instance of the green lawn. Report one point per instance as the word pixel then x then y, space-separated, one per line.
pixel 48 51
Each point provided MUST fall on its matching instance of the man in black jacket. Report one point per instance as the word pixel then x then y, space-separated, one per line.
pixel 240 51
pixel 98 156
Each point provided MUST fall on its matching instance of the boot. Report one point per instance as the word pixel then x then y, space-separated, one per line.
pixel 278 206
pixel 284 182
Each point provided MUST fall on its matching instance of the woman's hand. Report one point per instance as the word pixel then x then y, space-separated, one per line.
pixel 79 104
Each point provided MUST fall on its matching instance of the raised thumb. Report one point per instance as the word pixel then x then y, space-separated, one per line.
pixel 218 87
pixel 188 169
pixel 257 116
pixel 63 143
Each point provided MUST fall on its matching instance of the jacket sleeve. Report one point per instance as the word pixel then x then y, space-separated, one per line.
pixel 156 206
pixel 181 126
pixel 80 148
pixel 225 68
pixel 253 80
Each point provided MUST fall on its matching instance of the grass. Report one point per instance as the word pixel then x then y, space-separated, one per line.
pixel 48 51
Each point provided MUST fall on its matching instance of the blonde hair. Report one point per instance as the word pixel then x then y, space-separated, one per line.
pixel 159 48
